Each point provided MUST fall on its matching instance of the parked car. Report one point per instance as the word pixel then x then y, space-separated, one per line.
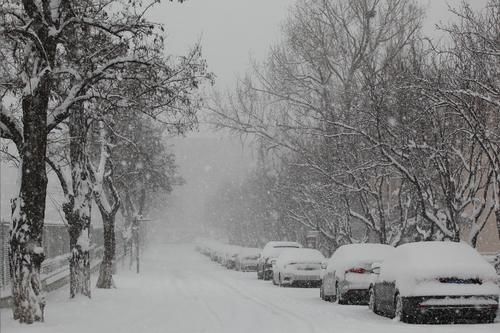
pixel 216 252
pixel 269 254
pixel 298 266
pixel 436 282
pixel 230 256
pixel 346 278
pixel 247 259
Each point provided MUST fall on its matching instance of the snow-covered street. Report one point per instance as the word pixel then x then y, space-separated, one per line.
pixel 179 290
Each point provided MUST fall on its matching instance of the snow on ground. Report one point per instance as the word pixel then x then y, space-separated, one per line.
pixel 181 291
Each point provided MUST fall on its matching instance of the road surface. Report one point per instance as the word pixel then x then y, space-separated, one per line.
pixel 179 290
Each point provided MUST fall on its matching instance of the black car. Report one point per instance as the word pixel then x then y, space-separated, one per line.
pixel 435 282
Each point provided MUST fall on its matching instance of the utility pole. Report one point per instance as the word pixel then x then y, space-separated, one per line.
pixel 135 236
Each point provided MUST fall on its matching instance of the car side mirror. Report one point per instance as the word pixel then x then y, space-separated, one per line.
pixel 375 268
pixel 324 265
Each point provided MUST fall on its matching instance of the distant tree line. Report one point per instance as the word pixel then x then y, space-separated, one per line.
pixel 367 129
pixel 89 94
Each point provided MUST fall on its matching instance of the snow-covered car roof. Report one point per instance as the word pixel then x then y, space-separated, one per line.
pixel 274 248
pixel 300 256
pixel 249 251
pixel 357 255
pixel 232 250
pixel 431 260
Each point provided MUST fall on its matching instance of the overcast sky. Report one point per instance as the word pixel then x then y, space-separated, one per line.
pixel 230 31
pixel 233 30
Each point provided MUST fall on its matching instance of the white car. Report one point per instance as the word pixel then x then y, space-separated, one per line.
pixel 298 266
pixel 269 254
pixel 230 256
pixel 247 259
pixel 347 276
pixel 436 281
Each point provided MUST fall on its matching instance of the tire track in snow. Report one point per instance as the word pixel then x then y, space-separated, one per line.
pixel 206 273
pixel 179 279
pixel 275 309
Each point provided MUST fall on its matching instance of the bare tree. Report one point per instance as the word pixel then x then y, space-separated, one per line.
pixel 51 78
pixel 467 83
pixel 315 81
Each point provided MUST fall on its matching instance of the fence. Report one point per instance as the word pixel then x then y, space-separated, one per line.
pixel 56 247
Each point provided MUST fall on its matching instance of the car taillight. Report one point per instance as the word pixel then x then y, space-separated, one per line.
pixel 357 270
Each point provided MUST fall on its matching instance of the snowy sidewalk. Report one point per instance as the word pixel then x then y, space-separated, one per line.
pixel 180 291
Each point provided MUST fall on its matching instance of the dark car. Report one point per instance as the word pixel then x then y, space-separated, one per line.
pixel 439 282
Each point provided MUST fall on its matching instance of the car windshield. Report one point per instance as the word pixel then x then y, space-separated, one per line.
pixel 251 257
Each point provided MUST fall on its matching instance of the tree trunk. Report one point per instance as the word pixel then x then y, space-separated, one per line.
pixel 129 213
pixel 79 263
pixel 78 216
pixel 28 210
pixel 497 217
pixel 105 279
pixel 103 179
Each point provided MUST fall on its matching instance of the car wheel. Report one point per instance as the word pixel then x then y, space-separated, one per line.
pixel 372 304
pixel 259 275
pixel 490 319
pixel 333 298
pixel 280 282
pixel 338 294
pixel 398 308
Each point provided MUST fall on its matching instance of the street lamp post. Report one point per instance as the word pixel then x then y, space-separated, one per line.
pixel 136 238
